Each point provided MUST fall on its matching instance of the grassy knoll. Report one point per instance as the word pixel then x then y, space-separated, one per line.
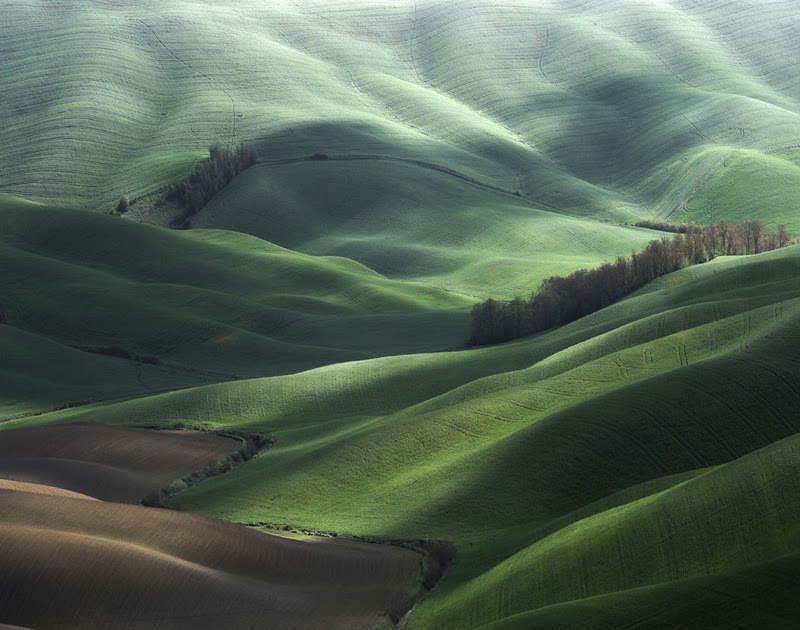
pixel 610 111
pixel 409 221
pixel 631 435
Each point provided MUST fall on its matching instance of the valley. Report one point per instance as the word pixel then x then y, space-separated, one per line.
pixel 635 467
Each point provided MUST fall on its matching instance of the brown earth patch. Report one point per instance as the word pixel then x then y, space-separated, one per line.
pixel 106 462
pixel 33 488
pixel 77 563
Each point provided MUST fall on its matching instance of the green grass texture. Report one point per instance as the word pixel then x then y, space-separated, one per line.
pixel 211 305
pixel 614 110
pixel 411 222
pixel 641 456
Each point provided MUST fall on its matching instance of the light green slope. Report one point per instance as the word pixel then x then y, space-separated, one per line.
pixel 610 110
pixel 720 550
pixel 588 437
pixel 407 220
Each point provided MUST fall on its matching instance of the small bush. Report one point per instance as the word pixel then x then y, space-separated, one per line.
pixel 401 604
pixel 123 205
pixel 208 178
pixel 154 500
pixel 441 556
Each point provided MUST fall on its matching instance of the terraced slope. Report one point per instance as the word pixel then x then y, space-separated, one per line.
pixel 601 109
pixel 105 462
pixel 656 436
pixel 69 561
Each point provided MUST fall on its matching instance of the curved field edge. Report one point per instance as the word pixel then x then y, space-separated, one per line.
pixel 110 463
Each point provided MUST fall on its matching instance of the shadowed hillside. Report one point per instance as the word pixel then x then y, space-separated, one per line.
pixel 98 307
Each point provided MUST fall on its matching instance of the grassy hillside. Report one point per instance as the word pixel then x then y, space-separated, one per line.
pixel 606 110
pixel 632 435
pixel 208 305
pixel 407 220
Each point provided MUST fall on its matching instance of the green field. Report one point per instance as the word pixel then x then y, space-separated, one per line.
pixel 606 110
pixel 209 305
pixel 615 453
pixel 637 467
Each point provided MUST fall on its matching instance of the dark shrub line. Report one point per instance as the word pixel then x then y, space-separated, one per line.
pixel 122 353
pixel 561 300
pixel 661 226
pixel 191 193
pixel 208 178
pixel 252 444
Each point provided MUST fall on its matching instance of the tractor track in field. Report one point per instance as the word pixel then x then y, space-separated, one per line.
pixel 703 179
pixel 207 77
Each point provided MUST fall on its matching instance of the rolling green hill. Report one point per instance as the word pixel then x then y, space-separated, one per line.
pixel 609 110
pixel 619 452
pixel 206 305
pixel 407 220
pixel 637 467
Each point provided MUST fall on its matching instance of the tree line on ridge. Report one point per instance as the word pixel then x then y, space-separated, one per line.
pixel 561 300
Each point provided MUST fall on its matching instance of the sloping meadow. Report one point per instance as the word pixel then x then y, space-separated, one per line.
pixel 612 110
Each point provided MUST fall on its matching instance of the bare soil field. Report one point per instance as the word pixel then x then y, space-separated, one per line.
pixel 66 561
pixel 21 486
pixel 106 462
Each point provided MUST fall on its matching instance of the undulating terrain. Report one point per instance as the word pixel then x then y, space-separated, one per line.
pixel 637 467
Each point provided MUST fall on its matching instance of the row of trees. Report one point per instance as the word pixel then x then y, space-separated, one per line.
pixel 208 178
pixel 561 300
pixel 661 226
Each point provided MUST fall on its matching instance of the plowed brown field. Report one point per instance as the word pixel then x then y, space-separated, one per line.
pixel 21 486
pixel 71 562
pixel 106 462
